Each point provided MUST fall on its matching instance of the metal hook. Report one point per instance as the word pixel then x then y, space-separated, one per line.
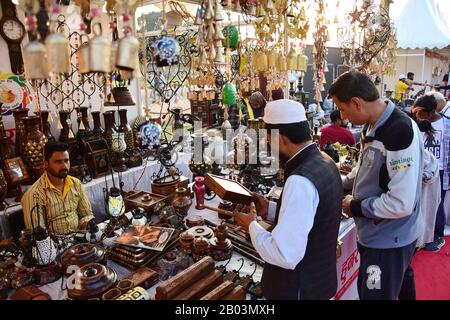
pixel 256 267
pixel 225 265
pixel 241 265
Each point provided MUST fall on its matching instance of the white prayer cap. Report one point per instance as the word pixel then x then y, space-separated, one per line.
pixel 437 95
pixel 401 77
pixel 284 111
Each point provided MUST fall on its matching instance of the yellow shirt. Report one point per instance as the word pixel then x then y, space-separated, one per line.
pixel 400 89
pixel 66 211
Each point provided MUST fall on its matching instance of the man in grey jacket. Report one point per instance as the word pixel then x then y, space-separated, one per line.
pixel 387 183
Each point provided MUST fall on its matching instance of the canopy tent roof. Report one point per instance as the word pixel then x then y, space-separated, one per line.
pixel 421 24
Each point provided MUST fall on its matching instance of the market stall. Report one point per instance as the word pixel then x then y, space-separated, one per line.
pixel 165 138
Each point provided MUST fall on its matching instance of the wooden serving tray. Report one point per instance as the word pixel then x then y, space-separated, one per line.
pixel 136 199
pixel 228 189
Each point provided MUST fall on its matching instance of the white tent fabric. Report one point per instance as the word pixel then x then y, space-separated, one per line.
pixel 421 24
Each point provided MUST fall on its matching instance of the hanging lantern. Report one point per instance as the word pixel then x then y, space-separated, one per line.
pixel 165 51
pixel 229 94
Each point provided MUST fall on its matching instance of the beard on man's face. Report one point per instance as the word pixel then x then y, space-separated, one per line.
pixel 283 159
pixel 61 174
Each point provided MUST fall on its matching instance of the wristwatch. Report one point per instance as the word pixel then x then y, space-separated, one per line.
pixel 13 31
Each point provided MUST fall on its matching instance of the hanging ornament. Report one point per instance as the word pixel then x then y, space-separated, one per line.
pixel 302 14
pixel 218 15
pixel 198 17
pixel 209 12
pixel 165 50
pixel 229 94
pixel 231 32
pixel 212 53
pixel 237 6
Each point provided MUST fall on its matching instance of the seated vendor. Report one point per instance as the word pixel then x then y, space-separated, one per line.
pixel 67 207
pixel 337 131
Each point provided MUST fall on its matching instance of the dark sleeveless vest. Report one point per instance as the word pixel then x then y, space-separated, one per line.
pixel 315 276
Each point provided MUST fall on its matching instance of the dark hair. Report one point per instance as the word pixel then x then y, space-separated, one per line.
pixel 297 133
pixel 51 147
pixel 425 126
pixel 335 115
pixel 277 94
pixel 257 100
pixel 427 102
pixel 354 84
pixel 409 74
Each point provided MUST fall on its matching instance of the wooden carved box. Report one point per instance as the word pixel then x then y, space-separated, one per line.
pixel 229 190
pixel 98 157
pixel 143 199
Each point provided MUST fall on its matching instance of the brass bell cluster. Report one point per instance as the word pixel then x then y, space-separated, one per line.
pixel 210 35
pixel 104 56
pixel 97 55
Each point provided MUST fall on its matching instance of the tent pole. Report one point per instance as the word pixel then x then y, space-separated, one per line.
pixel 423 65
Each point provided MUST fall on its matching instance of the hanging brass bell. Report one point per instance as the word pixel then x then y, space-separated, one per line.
pixel 212 52
pixel 290 13
pixel 219 54
pixel 260 12
pixel 302 62
pixel 292 60
pixel 269 6
pixel 100 53
pixel 58 53
pixel 219 33
pixel 272 57
pixel 209 12
pixel 127 52
pixel 83 58
pixel 218 15
pixel 114 49
pixel 281 63
pixel 198 17
pixel 302 14
pixel 35 61
pixel 211 32
pixel 237 6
